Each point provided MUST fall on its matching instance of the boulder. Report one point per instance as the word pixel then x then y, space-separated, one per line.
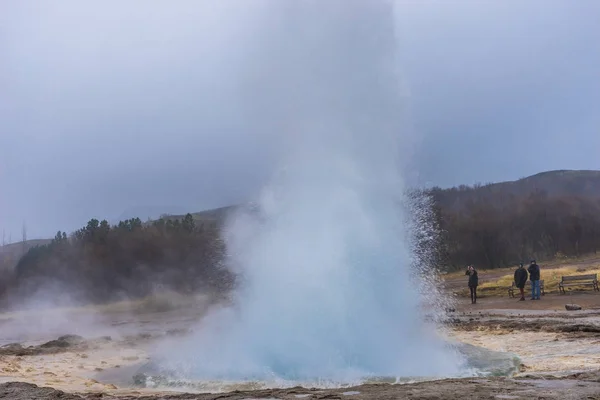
pixel 572 307
pixel 63 342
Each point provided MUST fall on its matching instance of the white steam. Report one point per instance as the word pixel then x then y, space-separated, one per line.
pixel 327 292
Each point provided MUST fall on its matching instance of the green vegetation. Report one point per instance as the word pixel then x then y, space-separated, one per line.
pixel 549 215
pixel 553 215
pixel 100 262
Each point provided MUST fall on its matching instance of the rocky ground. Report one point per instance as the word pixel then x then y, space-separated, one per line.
pixel 580 386
pixel 559 350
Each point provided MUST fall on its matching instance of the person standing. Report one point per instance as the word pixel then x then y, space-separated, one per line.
pixel 521 280
pixel 534 277
pixel 473 283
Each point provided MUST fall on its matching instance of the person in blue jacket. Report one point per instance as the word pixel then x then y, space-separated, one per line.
pixel 534 277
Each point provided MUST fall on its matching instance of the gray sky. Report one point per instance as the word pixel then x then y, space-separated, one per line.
pixel 109 109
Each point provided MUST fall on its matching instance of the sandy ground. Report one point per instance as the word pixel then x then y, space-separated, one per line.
pixel 549 342
pixel 73 369
pixel 559 350
pixel 103 340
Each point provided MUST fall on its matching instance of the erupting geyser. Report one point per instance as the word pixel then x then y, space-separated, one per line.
pixel 326 290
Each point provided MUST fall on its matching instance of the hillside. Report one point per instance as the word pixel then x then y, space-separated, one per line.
pixel 580 183
pixel 548 215
pixel 214 216
pixel 583 184
pixel 556 183
pixel 544 215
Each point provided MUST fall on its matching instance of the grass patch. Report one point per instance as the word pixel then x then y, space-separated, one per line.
pixel 545 264
pixel 158 302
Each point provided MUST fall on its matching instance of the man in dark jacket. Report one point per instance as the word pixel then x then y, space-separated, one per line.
pixel 534 277
pixel 520 280
pixel 473 283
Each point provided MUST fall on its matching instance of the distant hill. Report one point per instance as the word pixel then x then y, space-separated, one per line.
pixel 579 183
pixel 583 184
pixel 10 253
pixel 145 212
pixel 216 215
pixel 546 216
pixel 541 216
pixel 556 183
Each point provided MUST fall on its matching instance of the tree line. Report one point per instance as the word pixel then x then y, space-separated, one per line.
pixel 451 228
pixel 479 225
pixel 100 262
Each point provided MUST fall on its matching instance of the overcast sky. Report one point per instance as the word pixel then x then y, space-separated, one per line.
pixel 112 108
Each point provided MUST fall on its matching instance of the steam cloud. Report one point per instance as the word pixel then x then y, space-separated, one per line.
pixel 326 292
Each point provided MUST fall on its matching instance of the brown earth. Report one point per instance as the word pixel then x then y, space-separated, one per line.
pixel 559 350
pixel 574 387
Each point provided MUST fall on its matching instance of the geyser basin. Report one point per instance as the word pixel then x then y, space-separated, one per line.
pixel 330 289
pixel 478 362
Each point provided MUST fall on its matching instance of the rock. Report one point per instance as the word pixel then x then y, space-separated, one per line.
pixel 572 307
pixel 63 342
pixel 27 391
pixel 15 349
pixel 140 380
pixel 12 347
pixel 178 332
pixel 71 338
